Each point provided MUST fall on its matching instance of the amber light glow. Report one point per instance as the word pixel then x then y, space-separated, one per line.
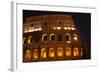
pixel 35 54
pixel 28 55
pixel 52 36
pixel 32 30
pixel 75 37
pixel 58 28
pixel 43 53
pixel 51 53
pixel 59 52
pixel 29 39
pixel 68 52
pixel 75 52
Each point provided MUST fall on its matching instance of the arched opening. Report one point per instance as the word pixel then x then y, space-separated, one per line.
pixel 52 37
pixel 35 53
pixel 27 55
pixel 60 52
pixel 75 37
pixel 44 37
pixel 51 52
pixel 75 52
pixel 68 38
pixel 43 53
pixel 29 39
pixel 68 51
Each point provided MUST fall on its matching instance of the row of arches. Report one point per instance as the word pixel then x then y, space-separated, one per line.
pixel 53 37
pixel 59 37
pixel 59 53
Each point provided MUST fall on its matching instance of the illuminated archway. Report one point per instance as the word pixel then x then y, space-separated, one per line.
pixel 44 37
pixel 68 38
pixel 43 53
pixel 51 52
pixel 29 39
pixel 75 52
pixel 28 55
pixel 68 51
pixel 60 52
pixel 75 37
pixel 35 53
pixel 52 37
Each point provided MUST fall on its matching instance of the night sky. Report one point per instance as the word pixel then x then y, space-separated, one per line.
pixel 82 20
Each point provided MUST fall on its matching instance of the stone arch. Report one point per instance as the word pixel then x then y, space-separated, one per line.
pixel 75 52
pixel 68 38
pixel 43 53
pixel 51 52
pixel 27 55
pixel 68 51
pixel 60 52
pixel 52 37
pixel 44 37
pixel 75 37
pixel 35 53
pixel 29 39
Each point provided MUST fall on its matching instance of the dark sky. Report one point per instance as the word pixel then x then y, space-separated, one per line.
pixel 82 20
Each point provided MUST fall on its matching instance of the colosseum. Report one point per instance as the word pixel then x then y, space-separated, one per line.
pixel 52 38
